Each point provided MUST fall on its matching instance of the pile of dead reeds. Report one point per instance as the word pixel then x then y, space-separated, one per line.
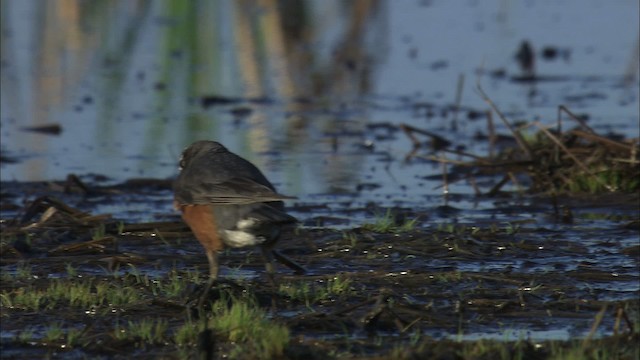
pixel 581 161
pixel 553 159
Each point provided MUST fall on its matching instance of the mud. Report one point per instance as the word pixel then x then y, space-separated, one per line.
pixel 525 282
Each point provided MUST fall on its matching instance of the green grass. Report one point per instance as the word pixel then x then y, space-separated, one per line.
pixel 448 276
pixel 53 334
pixel 145 331
pixel 456 229
pixel 387 224
pixel 350 238
pixel 120 228
pixel 248 327
pixel 77 293
pixel 511 229
pixel 26 335
pixel 515 350
pixel 99 232
pixel 71 271
pixel 312 293
pixel 187 335
pixel 24 271
pixel 80 292
pixel 302 291
pixel 242 326
pixel 602 180
pixel 22 298
pixel 175 285
pixel 449 228
pixel 242 329
pixel 73 338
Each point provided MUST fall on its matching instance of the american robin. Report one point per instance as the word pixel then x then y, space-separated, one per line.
pixel 227 201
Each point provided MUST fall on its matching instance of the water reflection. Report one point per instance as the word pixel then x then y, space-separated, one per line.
pixel 296 86
pixel 125 78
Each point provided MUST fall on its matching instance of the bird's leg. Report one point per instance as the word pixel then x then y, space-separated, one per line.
pixel 269 265
pixel 212 256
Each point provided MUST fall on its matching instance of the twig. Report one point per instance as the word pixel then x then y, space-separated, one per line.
pixel 603 140
pixel 521 142
pixel 484 164
pixel 492 134
pixel 474 185
pixel 573 116
pixel 564 148
pixel 408 130
pixel 616 325
pixel 475 157
pixel 594 327
pixel 459 89
pixel 444 179
pixel 494 190
pixel 625 316
pixel 438 141
pixel 442 159
pixel 515 181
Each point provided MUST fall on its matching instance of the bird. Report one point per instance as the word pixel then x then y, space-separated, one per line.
pixel 228 202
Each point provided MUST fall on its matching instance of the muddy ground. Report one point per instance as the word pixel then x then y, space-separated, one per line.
pixel 406 288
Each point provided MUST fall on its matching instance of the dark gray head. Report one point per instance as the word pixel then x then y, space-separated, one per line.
pixel 200 147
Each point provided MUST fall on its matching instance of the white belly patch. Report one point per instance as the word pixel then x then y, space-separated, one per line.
pixel 240 237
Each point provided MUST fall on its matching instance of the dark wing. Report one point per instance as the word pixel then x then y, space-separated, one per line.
pixel 235 191
pixel 262 217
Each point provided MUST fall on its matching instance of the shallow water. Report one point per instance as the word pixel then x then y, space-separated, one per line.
pixel 128 98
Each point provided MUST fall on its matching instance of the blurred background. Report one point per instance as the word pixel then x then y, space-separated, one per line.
pixel 311 91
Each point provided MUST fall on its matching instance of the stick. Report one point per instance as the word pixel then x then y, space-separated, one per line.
pixel 573 116
pixel 492 134
pixel 564 148
pixel 521 142
pixel 595 325
pixel 459 89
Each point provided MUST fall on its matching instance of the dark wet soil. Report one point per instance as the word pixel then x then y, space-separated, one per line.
pixel 411 292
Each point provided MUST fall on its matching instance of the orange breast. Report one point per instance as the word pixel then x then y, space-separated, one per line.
pixel 202 222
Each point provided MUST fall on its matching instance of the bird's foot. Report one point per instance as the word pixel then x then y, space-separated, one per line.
pixel 297 268
pixel 201 296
